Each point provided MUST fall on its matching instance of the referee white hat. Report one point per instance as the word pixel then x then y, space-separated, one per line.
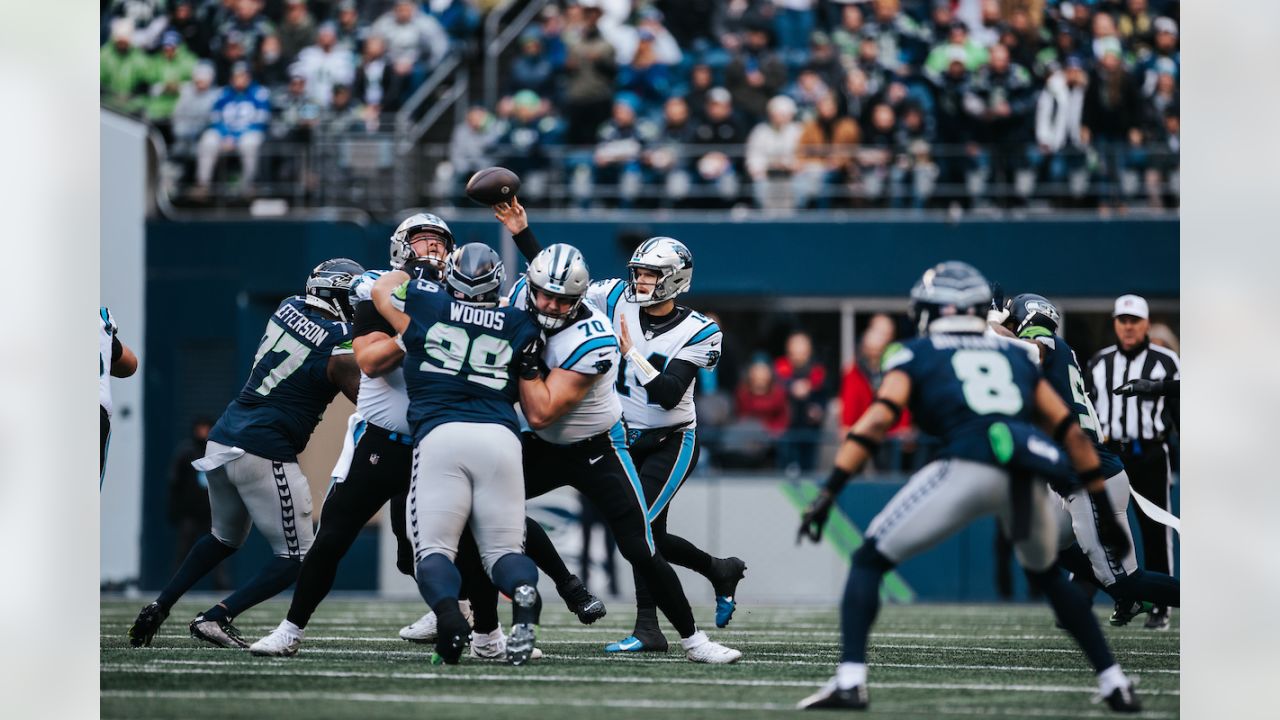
pixel 1131 305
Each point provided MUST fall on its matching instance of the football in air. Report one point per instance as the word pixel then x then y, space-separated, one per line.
pixel 494 185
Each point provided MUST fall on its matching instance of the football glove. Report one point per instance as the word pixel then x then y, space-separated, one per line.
pixel 530 360
pixel 815 517
pixel 1146 388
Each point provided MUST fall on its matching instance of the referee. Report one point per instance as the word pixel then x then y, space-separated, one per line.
pixel 1136 427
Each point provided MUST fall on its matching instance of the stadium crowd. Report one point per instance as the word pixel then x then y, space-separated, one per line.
pixel 782 104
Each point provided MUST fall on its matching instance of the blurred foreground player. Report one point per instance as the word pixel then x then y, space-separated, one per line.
pixel 977 393
pixel 251 459
pixel 115 359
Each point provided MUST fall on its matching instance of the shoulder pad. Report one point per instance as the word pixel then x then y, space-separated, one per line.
pixel 362 287
pixel 895 355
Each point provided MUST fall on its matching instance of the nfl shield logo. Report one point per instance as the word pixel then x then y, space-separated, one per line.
pixel 373 459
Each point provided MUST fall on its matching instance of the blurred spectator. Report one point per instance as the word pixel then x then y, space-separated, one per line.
pixel 351 33
pixel 147 20
pixel 876 154
pixel 231 52
pixel 471 144
pixel 667 154
pixel 856 96
pixel 247 23
pixel 862 378
pixel 807 90
pixel 806 385
pixel 271 68
pixel 701 80
pixel 1021 38
pixel 760 397
pixel 1163 335
pixel 1001 101
pixel 376 83
pixel 771 155
pixel 295 114
pixel 868 62
pixel 458 18
pixel 901 39
pixel 167 72
pixel 954 129
pixel 189 499
pixel 123 69
pixel 793 21
pixel 823 59
pixel 551 25
pixel 914 172
pixel 1065 44
pixel 972 54
pixel 1105 38
pixel 531 69
pixel 182 20
pixel 1060 133
pixel 297 29
pixel 985 28
pixel 720 130
pixel 616 158
pixel 343 117
pixel 755 74
pixel 590 69
pixel 626 39
pixel 644 76
pixel 826 151
pixel 412 36
pixel 1136 26
pixel 193 109
pixel 689 21
pixel 240 117
pixel 324 65
pixel 530 132
pixel 1164 58
pixel 1113 116
pixel 848 36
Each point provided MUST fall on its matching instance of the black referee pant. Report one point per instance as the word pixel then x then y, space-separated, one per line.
pixel 601 468
pixel 1147 464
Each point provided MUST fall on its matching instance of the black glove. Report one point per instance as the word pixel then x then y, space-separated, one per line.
pixel 1113 536
pixel 815 517
pixel 1147 388
pixel 530 361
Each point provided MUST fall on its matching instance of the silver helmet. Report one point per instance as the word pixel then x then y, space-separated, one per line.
pixel 667 257
pixel 474 273
pixel 402 255
pixel 558 270
pixel 951 296
pixel 329 287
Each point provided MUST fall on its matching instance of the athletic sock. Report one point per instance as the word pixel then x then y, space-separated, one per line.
pixel 543 552
pixel 438 578
pixel 1154 587
pixel 513 571
pixel 1075 615
pixel 204 556
pixel 278 574
pixel 858 611
pixel 681 552
pixel 1111 678
pixel 850 675
pixel 697 638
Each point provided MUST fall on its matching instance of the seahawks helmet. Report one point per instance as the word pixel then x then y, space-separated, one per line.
pixel 402 255
pixel 558 270
pixel 473 274
pixel 329 285
pixel 950 290
pixel 1031 310
pixel 673 263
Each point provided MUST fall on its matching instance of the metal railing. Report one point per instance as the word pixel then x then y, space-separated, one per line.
pixel 498 38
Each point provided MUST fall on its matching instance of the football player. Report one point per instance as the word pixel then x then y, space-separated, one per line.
pixel 460 354
pixel 655 387
pixel 979 394
pixel 115 359
pixel 1033 318
pixel 251 460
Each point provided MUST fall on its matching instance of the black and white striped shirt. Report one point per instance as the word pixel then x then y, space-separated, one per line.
pixel 1131 418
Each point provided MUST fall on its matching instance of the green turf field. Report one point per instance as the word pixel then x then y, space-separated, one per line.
pixel 927 661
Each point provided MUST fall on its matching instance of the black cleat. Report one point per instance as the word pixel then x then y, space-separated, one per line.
pixel 1123 700
pixel 149 620
pixel 217 632
pixel 1158 619
pixel 725 575
pixel 831 697
pixel 1126 611
pixel 453 637
pixel 580 601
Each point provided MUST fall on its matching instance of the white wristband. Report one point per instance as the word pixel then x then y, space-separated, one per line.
pixel 400 344
pixel 646 371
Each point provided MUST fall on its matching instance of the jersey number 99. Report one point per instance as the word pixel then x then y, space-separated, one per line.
pixel 487 357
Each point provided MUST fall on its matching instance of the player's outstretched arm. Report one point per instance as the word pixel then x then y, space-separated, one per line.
pixel 126 364
pixel 513 217
pixel 344 372
pixel 859 444
pixel 382 293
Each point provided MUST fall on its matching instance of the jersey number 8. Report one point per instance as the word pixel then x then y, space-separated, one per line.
pixel 488 357
pixel 987 381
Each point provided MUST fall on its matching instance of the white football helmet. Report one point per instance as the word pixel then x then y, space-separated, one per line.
pixel 670 259
pixel 558 270
pixel 402 254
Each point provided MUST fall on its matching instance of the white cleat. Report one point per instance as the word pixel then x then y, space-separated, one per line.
pixel 493 646
pixel 424 629
pixel 282 642
pixel 713 653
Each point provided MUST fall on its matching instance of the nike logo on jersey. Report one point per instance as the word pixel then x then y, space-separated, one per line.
pixel 593 461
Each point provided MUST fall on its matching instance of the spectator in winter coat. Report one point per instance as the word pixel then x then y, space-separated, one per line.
pixel 248 23
pixel 270 67
pixel 621 142
pixel 849 36
pixel 412 36
pixel 755 74
pixel 1060 135
pixel 626 39
pixel 376 83
pixel 240 117
pixel 182 20
pixel 825 153
pixel 471 144
pixel 645 77
pixel 590 68
pixel 761 397
pixel 325 65
pixel 531 69
pixel 351 34
pixel 167 72
pixel 123 70
pixel 297 29
pixel 530 131
pixel 806 384
pixel 974 54
pixel 862 378
pixel 194 108
pixel 720 132
pixel 1000 102
pixel 902 40
pixel 771 155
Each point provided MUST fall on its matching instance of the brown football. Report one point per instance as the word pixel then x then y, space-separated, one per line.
pixel 493 185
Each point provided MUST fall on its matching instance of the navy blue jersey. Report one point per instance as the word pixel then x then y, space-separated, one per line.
pixel 288 388
pixel 1062 370
pixel 962 383
pixel 459 359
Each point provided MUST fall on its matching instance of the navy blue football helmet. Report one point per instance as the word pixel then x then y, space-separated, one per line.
pixel 1031 310
pixel 329 287
pixel 946 290
pixel 474 274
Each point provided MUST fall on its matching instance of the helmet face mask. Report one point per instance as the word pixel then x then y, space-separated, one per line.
pixel 670 260
pixel 950 297
pixel 329 287
pixel 403 256
pixel 561 272
pixel 474 274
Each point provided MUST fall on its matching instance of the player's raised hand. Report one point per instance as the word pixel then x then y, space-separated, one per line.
pixel 815 517
pixel 511 215
pixel 624 337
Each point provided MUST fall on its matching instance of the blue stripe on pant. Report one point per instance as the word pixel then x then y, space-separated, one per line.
pixel 618 439
pixel 678 473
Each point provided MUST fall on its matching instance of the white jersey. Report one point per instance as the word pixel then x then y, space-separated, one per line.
pixel 383 400
pixel 695 338
pixel 106 338
pixel 588 346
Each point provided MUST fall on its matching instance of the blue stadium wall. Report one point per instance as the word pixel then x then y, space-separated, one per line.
pixel 211 286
